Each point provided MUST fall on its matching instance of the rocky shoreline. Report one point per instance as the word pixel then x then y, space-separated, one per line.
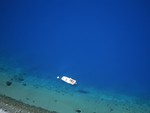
pixel 10 105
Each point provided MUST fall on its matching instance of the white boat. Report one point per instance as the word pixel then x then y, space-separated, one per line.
pixel 68 80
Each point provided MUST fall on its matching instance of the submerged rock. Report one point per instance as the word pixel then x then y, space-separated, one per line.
pixel 8 83
pixel 78 111
pixel 111 109
pixel 18 78
pixel 24 84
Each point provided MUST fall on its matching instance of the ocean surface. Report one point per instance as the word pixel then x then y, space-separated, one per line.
pixel 103 45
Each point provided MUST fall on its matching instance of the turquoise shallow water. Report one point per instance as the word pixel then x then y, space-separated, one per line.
pixel 53 94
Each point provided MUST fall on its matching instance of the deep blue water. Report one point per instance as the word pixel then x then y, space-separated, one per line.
pixel 104 44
